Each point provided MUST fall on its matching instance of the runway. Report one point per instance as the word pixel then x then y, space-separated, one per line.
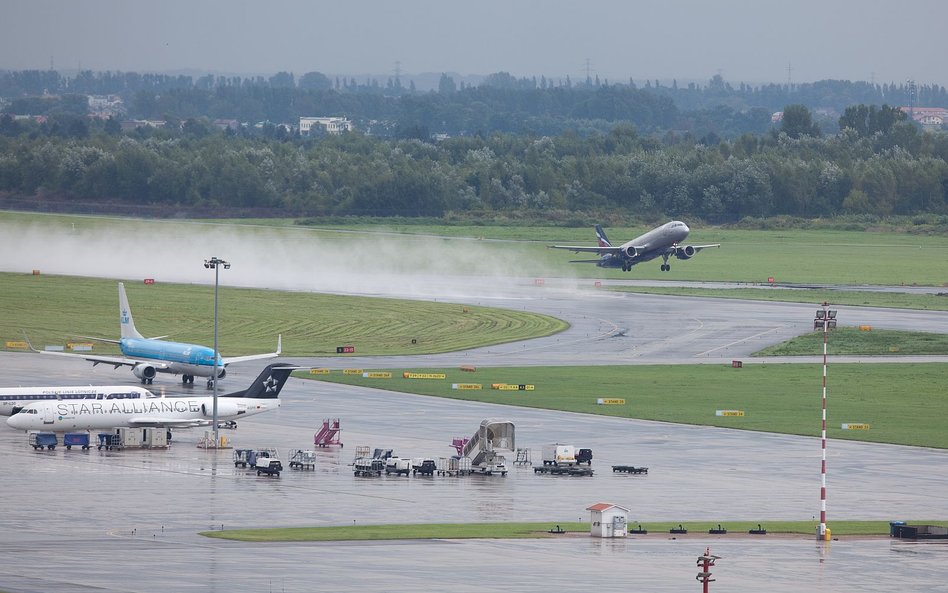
pixel 127 520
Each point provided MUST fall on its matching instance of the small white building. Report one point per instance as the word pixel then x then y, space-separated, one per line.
pixel 330 125
pixel 608 520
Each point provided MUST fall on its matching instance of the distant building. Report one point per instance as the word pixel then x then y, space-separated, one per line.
pixel 927 117
pixel 330 125
pixel 131 124
pixel 224 124
pixel 777 117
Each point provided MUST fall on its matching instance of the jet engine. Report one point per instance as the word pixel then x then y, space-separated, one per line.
pixel 224 408
pixel 145 372
pixel 686 252
pixel 221 372
pixel 630 252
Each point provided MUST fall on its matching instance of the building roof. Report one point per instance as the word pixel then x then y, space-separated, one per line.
pixel 605 506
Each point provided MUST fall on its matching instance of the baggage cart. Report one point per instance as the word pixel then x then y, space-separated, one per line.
pixel 76 439
pixel 303 459
pixel 43 440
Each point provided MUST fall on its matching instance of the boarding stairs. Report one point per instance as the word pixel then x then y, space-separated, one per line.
pixel 490 436
pixel 328 435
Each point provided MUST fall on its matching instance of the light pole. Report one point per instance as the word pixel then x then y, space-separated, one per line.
pixel 825 320
pixel 215 264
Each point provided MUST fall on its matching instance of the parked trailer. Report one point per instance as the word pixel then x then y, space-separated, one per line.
pixel 109 441
pixel 398 466
pixel 454 466
pixel 368 466
pixel 43 440
pixel 76 439
pixel 629 469
pixel 303 459
pixel 243 457
pixel 563 470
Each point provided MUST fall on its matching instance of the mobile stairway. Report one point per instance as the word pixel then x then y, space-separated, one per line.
pixel 328 435
pixel 492 435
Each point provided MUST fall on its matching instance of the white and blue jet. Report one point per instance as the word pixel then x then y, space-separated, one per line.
pixel 149 356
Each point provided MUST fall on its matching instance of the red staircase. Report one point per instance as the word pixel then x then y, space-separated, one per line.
pixel 328 435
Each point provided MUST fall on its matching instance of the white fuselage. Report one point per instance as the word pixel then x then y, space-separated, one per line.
pixel 64 416
pixel 14 398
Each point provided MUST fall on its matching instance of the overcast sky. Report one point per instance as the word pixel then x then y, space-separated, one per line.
pixel 743 40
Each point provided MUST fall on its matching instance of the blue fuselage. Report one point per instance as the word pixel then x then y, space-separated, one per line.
pixel 170 352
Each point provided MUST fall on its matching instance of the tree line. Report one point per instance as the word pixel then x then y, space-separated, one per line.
pixel 879 164
pixel 500 103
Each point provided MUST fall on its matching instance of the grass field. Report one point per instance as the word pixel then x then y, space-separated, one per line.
pixel 869 341
pixel 903 403
pixel 56 309
pixel 789 256
pixel 897 300
pixel 534 530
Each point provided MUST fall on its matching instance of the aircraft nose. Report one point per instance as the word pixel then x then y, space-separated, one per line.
pixel 687 230
pixel 16 421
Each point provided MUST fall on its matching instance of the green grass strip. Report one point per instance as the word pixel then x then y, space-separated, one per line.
pixel 867 341
pixel 534 530
pixel 58 309
pixel 895 300
pixel 902 403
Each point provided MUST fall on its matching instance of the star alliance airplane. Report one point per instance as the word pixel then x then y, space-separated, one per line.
pixel 169 412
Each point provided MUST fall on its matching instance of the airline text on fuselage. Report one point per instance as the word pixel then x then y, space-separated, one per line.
pixel 81 408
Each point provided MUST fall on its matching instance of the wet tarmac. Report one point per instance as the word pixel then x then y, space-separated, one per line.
pixel 128 520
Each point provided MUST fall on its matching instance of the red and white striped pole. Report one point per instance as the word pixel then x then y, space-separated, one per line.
pixel 822 533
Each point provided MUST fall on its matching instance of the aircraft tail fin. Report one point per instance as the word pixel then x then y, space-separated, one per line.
pixel 126 323
pixel 268 383
pixel 601 236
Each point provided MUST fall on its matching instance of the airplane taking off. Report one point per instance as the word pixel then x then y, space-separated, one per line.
pixel 155 411
pixel 150 356
pixel 14 398
pixel 664 241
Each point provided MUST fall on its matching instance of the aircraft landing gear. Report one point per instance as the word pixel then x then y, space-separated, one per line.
pixel 210 383
pixel 146 381
pixel 187 379
pixel 666 267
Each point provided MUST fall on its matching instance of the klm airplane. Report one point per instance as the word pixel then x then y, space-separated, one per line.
pixel 149 356
pixel 664 241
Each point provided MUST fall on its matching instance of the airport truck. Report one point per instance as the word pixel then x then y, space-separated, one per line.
pixel 559 454
pixel 270 466
pixel 425 467
pixel 584 456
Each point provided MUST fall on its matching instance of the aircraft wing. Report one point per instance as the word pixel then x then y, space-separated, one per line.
pixel 279 349
pixel 148 421
pixel 700 247
pixel 115 361
pixel 587 249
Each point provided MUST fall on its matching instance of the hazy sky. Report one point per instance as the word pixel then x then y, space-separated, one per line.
pixel 748 40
